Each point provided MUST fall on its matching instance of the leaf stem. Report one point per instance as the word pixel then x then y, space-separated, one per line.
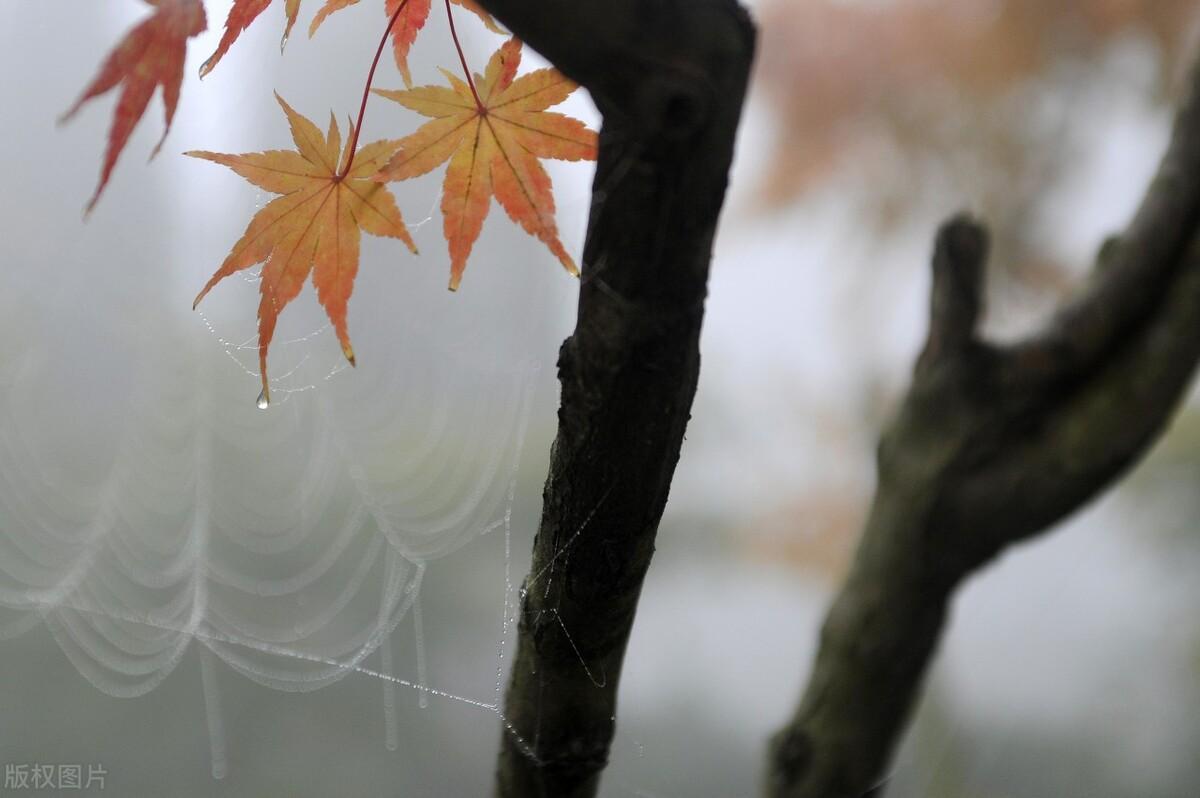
pixel 463 60
pixel 362 109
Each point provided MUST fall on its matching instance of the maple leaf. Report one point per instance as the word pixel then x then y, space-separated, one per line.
pixel 241 15
pixel 493 143
pixel 314 227
pixel 151 55
pixel 404 33
pixel 408 24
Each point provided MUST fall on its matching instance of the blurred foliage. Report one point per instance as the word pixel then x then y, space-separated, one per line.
pixel 916 107
pixel 907 67
pixel 978 100
pixel 814 531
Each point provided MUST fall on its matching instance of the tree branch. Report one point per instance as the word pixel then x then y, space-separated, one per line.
pixel 669 76
pixel 991 446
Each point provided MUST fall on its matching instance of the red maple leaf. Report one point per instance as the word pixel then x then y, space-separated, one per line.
pixel 404 32
pixel 407 25
pixel 240 16
pixel 150 55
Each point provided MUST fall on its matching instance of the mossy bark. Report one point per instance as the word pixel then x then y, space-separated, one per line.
pixel 993 445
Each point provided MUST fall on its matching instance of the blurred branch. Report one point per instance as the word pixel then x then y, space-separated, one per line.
pixel 669 78
pixel 992 445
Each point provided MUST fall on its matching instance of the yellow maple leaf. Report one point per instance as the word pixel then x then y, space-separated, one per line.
pixel 314 227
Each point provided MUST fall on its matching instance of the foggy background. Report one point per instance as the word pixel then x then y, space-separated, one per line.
pixel 170 555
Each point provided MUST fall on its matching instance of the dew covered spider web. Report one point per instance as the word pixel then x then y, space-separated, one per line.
pixel 162 510
pixel 152 515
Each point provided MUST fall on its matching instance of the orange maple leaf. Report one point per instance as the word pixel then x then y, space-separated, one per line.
pixel 241 14
pixel 314 227
pixel 408 24
pixel 492 131
pixel 150 55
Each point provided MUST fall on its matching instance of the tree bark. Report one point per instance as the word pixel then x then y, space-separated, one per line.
pixel 992 445
pixel 669 77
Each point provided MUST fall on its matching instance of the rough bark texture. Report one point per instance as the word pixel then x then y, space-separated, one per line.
pixel 669 77
pixel 991 446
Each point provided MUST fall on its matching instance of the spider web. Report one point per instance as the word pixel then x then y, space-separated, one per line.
pixel 287 544
pixel 148 507
pixel 151 514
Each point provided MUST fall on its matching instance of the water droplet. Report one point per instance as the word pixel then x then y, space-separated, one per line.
pixel 205 68
pixel 263 402
pixel 283 40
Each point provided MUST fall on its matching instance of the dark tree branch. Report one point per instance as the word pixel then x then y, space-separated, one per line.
pixel 669 76
pixel 991 446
